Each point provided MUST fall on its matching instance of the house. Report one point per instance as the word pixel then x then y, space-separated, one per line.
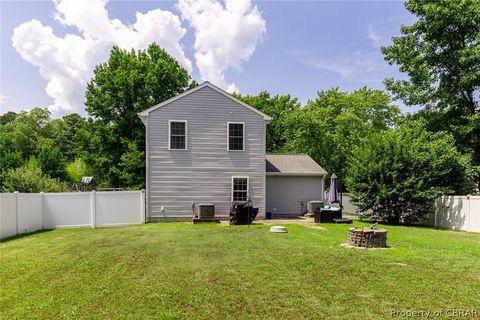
pixel 206 146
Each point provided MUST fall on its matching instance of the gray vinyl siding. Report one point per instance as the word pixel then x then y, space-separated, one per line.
pixel 203 173
pixel 284 193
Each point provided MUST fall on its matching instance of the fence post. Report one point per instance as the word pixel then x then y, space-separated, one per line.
pixel 93 208
pixel 469 198
pixel 42 208
pixel 142 206
pixel 16 212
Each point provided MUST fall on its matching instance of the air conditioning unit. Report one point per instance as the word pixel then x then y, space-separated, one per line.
pixel 206 211
pixel 314 205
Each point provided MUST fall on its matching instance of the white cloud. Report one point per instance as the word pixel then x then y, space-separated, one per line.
pixel 377 40
pixel 225 36
pixel 3 99
pixel 67 62
pixel 381 31
pixel 358 66
pixel 365 66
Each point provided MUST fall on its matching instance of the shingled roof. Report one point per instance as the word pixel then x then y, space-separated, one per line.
pixel 292 164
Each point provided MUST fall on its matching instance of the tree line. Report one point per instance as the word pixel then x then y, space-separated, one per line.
pixel 394 164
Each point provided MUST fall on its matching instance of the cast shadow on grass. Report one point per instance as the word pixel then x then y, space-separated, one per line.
pixel 416 226
pixel 19 236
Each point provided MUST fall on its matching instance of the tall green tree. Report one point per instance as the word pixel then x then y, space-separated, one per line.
pixel 398 173
pixel 7 117
pixel 279 107
pixel 328 127
pixel 64 133
pixel 27 128
pixel 10 157
pixel 128 83
pixel 440 54
pixel 51 159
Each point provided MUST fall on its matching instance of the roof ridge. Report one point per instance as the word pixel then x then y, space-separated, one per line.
pixel 143 114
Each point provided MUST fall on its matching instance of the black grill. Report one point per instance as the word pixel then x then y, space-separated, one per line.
pixel 242 213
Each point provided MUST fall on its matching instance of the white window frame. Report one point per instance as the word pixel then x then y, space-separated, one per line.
pixel 248 185
pixel 170 133
pixel 228 136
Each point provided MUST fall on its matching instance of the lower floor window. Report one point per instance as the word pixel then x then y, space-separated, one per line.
pixel 240 188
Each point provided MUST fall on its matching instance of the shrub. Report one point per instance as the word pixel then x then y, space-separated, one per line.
pixel 25 179
pixel 78 169
pixel 398 173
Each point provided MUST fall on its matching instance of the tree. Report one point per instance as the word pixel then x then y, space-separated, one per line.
pixel 279 108
pixel 27 128
pixel 9 156
pixel 398 173
pixel 328 127
pixel 128 83
pixel 19 135
pixel 440 54
pixel 51 160
pixel 131 162
pixel 64 133
pixel 26 179
pixel 7 117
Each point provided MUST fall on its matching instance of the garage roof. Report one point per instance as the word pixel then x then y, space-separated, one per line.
pixel 293 164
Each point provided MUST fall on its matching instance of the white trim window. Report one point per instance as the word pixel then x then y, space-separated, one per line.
pixel 177 135
pixel 240 188
pixel 235 136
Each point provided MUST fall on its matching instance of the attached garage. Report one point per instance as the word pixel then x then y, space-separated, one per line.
pixel 292 181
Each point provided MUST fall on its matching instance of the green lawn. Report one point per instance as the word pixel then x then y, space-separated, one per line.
pixel 184 271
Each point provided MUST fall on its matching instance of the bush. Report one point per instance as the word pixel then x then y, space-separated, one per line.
pixel 25 179
pixel 398 173
pixel 78 169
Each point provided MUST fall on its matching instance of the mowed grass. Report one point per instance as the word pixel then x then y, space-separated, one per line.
pixel 184 271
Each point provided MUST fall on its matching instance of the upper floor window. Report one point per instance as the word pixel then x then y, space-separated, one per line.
pixel 236 136
pixel 177 135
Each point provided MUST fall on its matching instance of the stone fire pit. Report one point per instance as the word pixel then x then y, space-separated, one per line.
pixel 367 237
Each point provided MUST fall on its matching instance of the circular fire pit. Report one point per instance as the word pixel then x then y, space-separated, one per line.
pixel 367 238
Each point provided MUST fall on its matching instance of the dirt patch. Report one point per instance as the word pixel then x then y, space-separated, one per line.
pixel 401 264
pixel 476 277
pixel 315 227
pixel 298 220
pixel 346 245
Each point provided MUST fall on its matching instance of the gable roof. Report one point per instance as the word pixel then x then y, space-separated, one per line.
pixel 144 114
pixel 292 164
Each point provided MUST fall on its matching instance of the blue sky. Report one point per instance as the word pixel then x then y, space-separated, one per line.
pixel 294 47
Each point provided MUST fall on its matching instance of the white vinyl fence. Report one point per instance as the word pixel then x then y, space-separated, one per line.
pixel 347 203
pixel 451 212
pixel 27 212
pixel 457 212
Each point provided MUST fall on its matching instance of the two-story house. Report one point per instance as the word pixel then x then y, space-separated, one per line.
pixel 206 146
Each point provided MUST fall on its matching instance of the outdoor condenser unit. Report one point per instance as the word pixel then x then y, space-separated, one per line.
pixel 206 211
pixel 314 205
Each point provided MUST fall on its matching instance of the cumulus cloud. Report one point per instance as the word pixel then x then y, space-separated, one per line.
pixel 225 35
pixel 67 62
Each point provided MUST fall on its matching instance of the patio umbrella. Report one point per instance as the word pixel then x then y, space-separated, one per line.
pixel 333 196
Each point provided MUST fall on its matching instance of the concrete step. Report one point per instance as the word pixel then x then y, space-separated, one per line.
pixel 184 218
